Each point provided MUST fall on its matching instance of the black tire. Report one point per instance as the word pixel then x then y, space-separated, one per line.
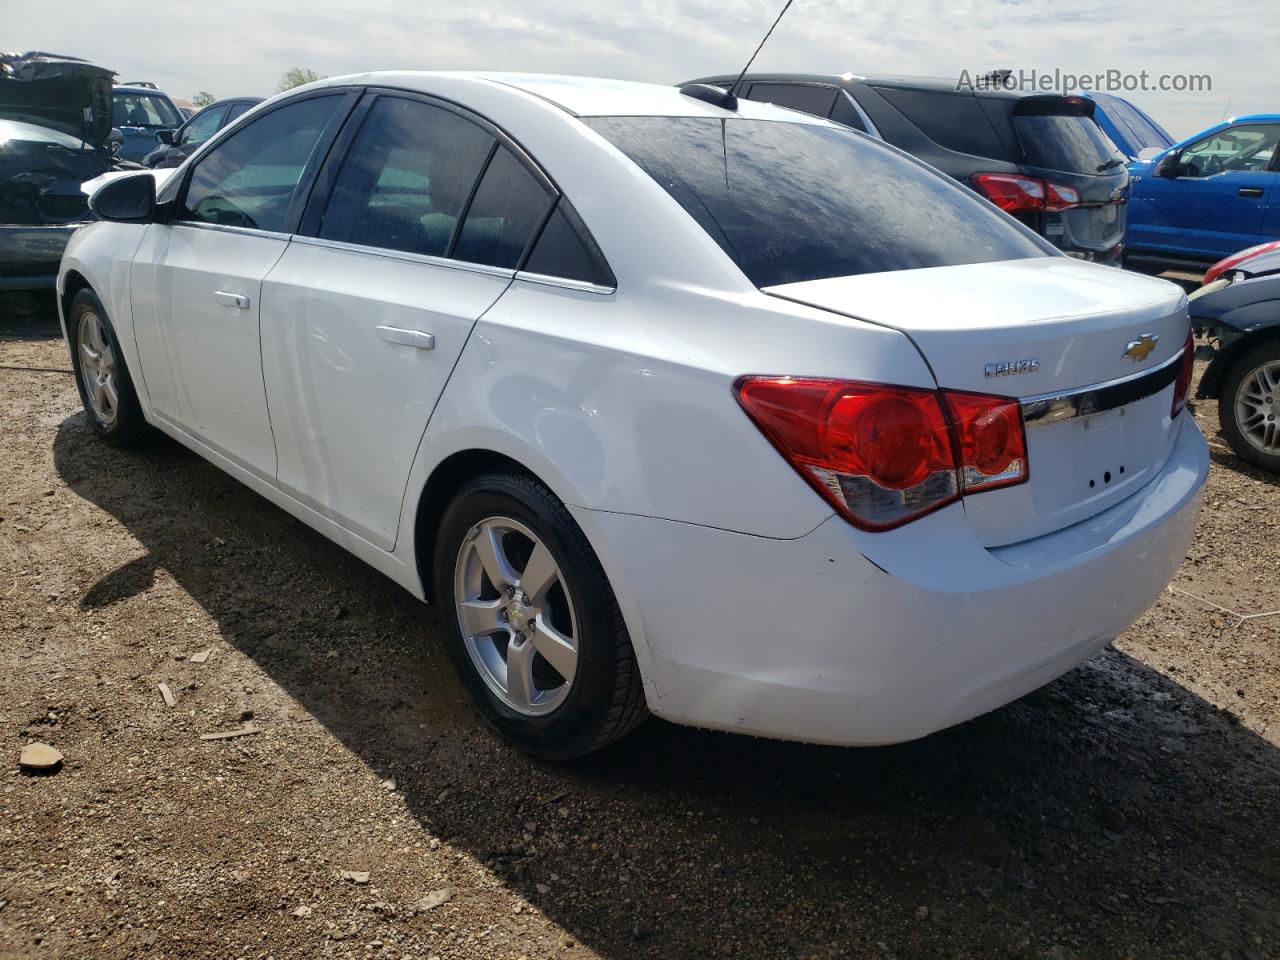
pixel 605 700
pixel 126 427
pixel 1268 351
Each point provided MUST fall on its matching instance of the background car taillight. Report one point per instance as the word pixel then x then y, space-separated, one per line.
pixel 1182 386
pixel 885 455
pixel 1017 194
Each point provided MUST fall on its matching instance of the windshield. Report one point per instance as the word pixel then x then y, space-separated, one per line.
pixel 790 202
pixel 143 110
pixel 1072 144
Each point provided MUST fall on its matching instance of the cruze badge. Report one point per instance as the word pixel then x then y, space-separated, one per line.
pixel 1138 350
pixel 1011 368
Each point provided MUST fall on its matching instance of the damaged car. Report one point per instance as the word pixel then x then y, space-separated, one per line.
pixel 55 134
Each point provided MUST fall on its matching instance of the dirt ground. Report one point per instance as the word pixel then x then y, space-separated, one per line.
pixel 1129 810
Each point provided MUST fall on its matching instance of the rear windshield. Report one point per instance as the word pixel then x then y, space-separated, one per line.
pixel 1073 144
pixel 790 202
pixel 142 110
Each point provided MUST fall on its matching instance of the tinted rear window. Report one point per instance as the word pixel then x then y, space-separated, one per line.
pixel 1073 144
pixel 791 202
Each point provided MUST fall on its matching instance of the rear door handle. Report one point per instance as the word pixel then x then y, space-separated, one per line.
pixel 1249 192
pixel 237 300
pixel 409 338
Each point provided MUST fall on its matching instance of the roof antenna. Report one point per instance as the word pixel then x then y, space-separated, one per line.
pixel 733 90
pixel 728 99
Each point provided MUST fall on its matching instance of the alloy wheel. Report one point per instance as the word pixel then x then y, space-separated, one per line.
pixel 516 616
pixel 1258 407
pixel 98 368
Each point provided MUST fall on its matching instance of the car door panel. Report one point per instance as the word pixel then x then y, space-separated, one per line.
pixel 419 222
pixel 198 344
pixel 351 376
pixel 197 278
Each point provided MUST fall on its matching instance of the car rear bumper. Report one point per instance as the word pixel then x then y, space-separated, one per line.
pixel 852 638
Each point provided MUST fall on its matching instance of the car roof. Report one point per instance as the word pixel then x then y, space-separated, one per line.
pixel 148 91
pixel 579 96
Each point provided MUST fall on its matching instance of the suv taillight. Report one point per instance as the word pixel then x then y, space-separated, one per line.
pixel 1182 386
pixel 884 455
pixel 1018 194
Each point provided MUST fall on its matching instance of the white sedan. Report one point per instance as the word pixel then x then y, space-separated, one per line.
pixel 674 404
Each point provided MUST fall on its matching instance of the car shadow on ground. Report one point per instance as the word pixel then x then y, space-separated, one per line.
pixel 1113 813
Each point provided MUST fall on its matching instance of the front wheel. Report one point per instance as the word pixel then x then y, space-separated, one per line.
pixel 532 623
pixel 1249 406
pixel 106 389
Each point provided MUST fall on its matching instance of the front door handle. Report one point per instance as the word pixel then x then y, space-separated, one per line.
pixel 1249 192
pixel 237 300
pixel 409 338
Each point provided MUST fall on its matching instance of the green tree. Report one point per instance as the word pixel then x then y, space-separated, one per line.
pixel 297 76
pixel 203 98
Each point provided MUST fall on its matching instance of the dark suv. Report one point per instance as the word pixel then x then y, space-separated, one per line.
pixel 1039 157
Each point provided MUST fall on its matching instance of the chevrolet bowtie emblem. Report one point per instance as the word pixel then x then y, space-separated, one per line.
pixel 1138 350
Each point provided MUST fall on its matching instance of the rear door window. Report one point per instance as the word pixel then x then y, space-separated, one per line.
pixel 789 202
pixel 249 179
pixel 805 97
pixel 237 109
pixel 509 207
pixel 566 249
pixel 406 178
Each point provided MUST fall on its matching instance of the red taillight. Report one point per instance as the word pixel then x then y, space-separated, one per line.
pixel 1057 197
pixel 1182 386
pixel 1014 193
pixel 1011 192
pixel 884 455
pixel 991 439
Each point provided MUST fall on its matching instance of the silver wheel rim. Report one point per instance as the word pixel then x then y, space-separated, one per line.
pixel 98 368
pixel 516 616
pixel 1258 407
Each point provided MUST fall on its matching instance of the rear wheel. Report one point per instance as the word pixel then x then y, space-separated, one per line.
pixel 533 625
pixel 106 389
pixel 1249 406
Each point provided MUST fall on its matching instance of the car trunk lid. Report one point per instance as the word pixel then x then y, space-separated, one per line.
pixel 66 94
pixel 1037 329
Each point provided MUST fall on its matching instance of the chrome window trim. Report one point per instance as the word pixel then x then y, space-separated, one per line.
pixel 408 257
pixel 1047 408
pixel 228 228
pixel 583 286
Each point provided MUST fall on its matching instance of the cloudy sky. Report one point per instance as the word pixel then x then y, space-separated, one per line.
pixel 242 46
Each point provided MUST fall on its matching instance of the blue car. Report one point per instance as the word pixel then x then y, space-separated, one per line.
pixel 1206 197
pixel 1129 126
pixel 139 112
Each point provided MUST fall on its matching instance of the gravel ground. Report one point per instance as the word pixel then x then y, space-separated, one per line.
pixel 1128 810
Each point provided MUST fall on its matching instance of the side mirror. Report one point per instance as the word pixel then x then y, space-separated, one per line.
pixel 115 140
pixel 1168 165
pixel 128 199
pixel 166 137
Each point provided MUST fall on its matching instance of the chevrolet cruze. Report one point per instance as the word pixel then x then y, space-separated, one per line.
pixel 673 404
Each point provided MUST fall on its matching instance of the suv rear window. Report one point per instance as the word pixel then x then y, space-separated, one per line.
pixel 790 202
pixel 952 120
pixel 1067 141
